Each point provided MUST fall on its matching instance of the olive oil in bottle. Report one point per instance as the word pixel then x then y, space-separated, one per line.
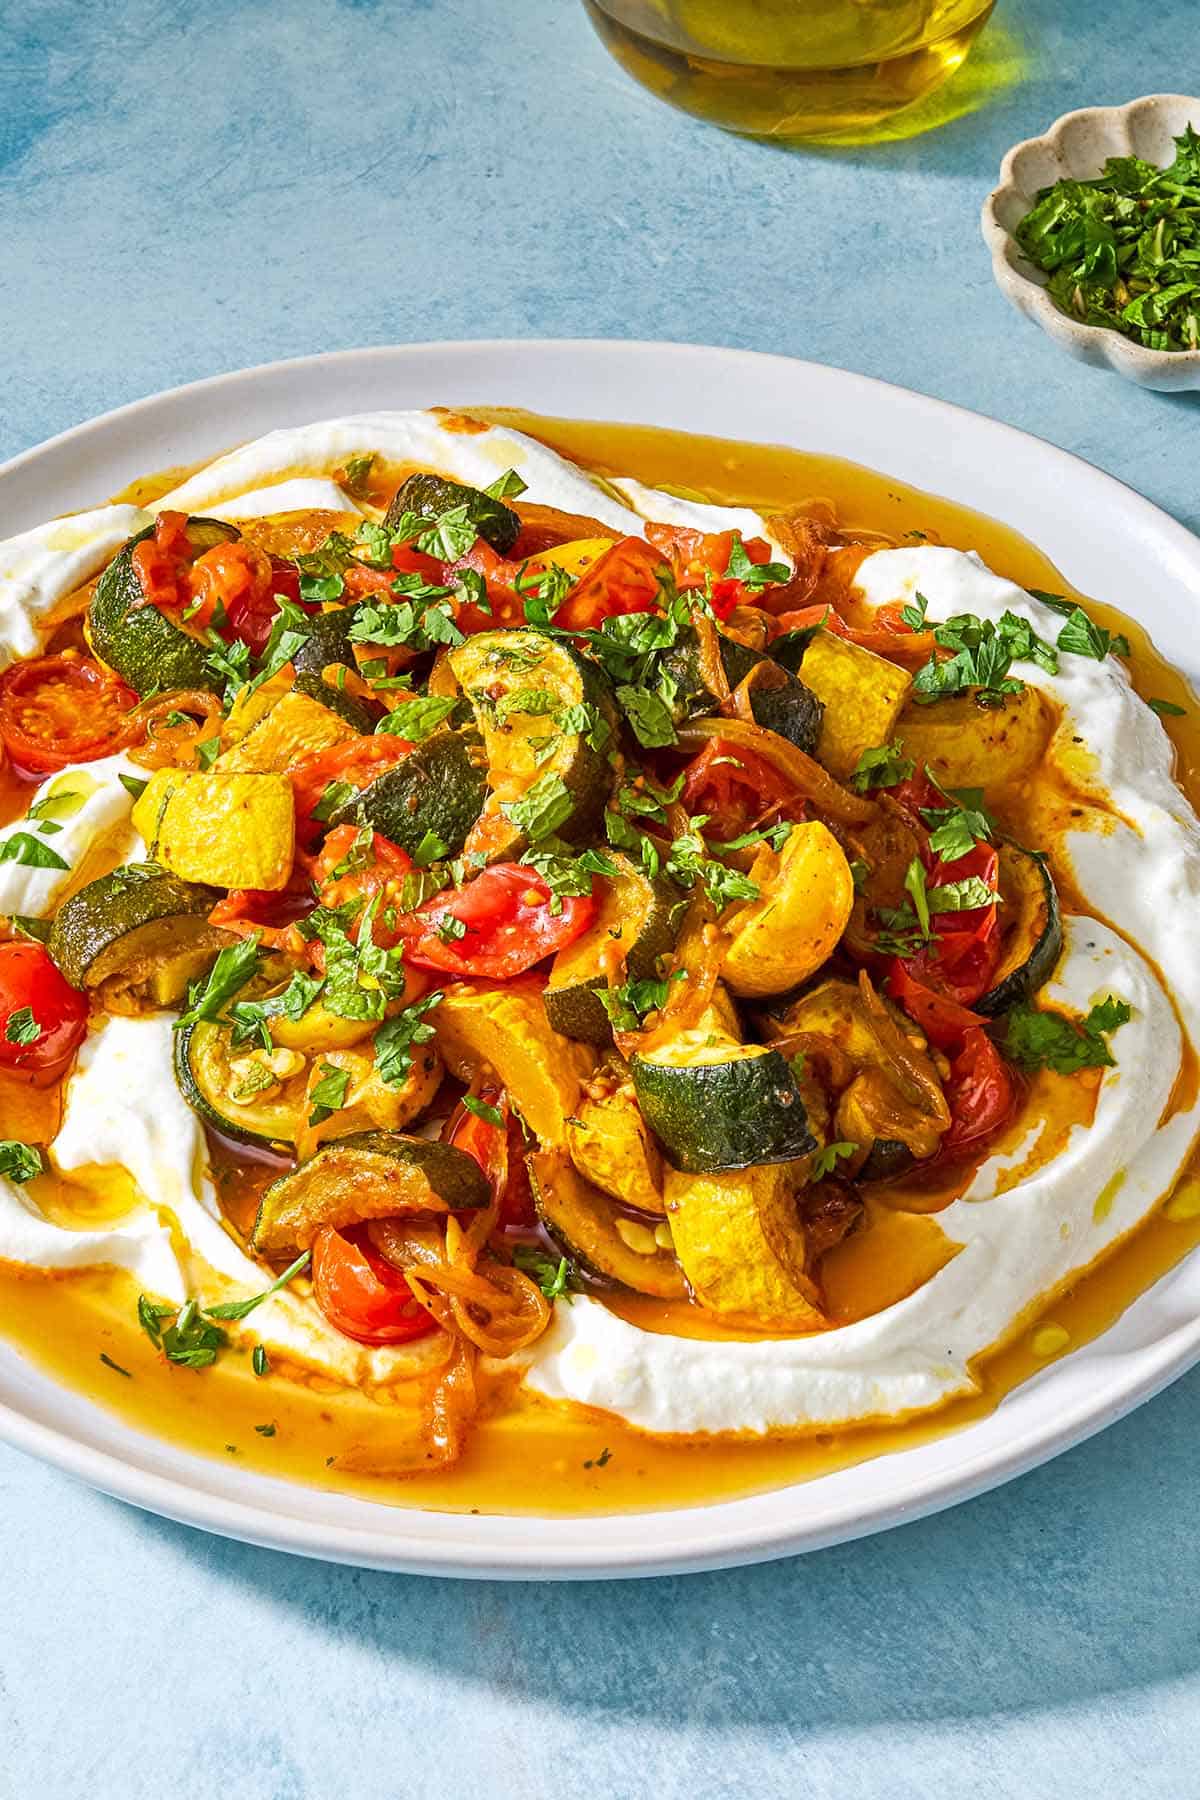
pixel 832 70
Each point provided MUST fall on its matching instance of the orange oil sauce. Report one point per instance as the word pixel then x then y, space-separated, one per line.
pixel 579 1460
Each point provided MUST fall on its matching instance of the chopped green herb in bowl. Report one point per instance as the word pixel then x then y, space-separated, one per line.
pixel 1123 250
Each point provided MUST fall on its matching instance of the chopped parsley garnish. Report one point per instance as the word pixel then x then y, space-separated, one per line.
pixel 346 960
pixel 629 1004
pixel 431 849
pixel 649 717
pixel 1167 709
pixel 328 1094
pixel 234 967
pixel 356 476
pixel 884 766
pixel 983 651
pixel 825 1161
pixel 241 1309
pixel 252 1018
pixel 556 1278
pixel 508 486
pixel 193 1338
pixel 491 1115
pixel 542 808
pixel 114 1366
pixel 20 1162
pixel 21 1027
pixel 260 1362
pixel 334 796
pixel 417 719
pixel 1050 1040
pixel 753 575
pixel 1083 637
pixel 1123 250
pixel 133 784
pixel 688 862
pixel 30 852
pixel 207 752
pixel 395 1039
pixel 229 663
pixel 957 828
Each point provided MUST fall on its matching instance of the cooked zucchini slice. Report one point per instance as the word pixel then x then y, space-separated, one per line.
pixel 612 1148
pixel 715 1105
pixel 439 788
pixel 234 829
pixel 328 641
pixel 433 495
pixel 584 1224
pixel 862 694
pixel 298 725
pixel 970 745
pixel 347 707
pixel 369 1175
pixel 806 895
pixel 739 1240
pixel 136 937
pixel 505 1030
pixel 637 922
pixel 522 685
pixel 234 1091
pixel 144 646
pixel 1032 931
pixel 784 705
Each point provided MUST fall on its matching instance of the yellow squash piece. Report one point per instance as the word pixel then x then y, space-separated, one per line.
pixel 806 895
pixel 370 1104
pixel 740 1243
pixel 612 1148
pixel 504 1030
pixel 578 556
pixel 968 745
pixel 296 726
pixel 863 695
pixel 231 830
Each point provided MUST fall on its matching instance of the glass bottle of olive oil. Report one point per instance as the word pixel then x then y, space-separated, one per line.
pixel 791 69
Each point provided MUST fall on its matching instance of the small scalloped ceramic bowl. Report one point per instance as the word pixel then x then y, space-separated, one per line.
pixel 1077 146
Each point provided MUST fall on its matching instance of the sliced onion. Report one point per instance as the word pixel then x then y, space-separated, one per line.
pixel 806 776
pixel 173 746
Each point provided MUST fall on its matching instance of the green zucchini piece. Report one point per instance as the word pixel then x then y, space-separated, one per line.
pixel 520 685
pixel 348 707
pixel 1032 931
pixel 439 788
pixel 789 708
pixel 886 1159
pixel 715 1105
pixel 146 648
pixel 328 641
pixel 203 1056
pixel 433 495
pixel 637 922
pixel 583 1223
pixel 369 1175
pixel 136 935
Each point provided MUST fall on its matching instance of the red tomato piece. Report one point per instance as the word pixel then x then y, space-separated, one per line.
pixel 380 871
pixel 63 709
pixel 232 583
pixel 980 1092
pixel 499 925
pixel 360 1293
pixel 699 559
pixel 943 1020
pixel 624 580
pixel 42 1018
pixel 733 787
pixel 358 761
pixel 500 1152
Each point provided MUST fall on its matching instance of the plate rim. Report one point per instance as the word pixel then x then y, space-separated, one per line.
pixel 665 1540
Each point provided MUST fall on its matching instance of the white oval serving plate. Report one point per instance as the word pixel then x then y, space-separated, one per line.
pixel 1107 541
pixel 1077 146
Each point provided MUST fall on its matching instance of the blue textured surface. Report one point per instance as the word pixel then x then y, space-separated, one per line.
pixel 185 190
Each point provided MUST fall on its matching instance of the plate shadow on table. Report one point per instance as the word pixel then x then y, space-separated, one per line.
pixel 1078 1580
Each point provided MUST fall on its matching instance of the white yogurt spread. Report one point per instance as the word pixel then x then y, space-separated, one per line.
pixel 1139 869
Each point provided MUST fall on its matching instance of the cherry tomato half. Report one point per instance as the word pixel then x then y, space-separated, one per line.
pixel 500 1152
pixel 623 580
pixel 733 787
pixel 57 710
pixel 42 1019
pixel 943 1020
pixel 360 1293
pixel 498 925
pixel 979 1093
